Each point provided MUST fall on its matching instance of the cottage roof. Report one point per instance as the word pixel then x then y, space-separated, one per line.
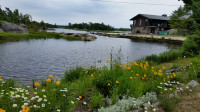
pixel 156 17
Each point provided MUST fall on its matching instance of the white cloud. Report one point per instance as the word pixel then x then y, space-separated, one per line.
pixel 76 11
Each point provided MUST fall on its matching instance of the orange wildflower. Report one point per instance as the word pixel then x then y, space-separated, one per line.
pixel 108 84
pixel 58 83
pixel 48 80
pixel 36 84
pixel 117 82
pixel 131 77
pixel 25 109
pixel 92 75
pixel 50 76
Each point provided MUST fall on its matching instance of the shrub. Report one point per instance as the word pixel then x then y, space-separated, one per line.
pixel 73 74
pixel 191 45
pixel 168 104
pixel 96 101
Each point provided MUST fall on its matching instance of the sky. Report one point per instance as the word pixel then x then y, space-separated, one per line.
pixel 116 13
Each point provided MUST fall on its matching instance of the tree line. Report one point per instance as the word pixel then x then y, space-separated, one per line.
pixel 19 18
pixel 91 26
pixel 186 19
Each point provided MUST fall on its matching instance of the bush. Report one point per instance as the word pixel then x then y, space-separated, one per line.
pixel 73 74
pixel 191 45
pixel 96 101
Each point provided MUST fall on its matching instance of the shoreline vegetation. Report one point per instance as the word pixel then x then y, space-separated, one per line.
pixel 8 37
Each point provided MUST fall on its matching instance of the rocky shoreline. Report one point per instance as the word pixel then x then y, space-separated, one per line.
pixel 148 38
pixel 83 37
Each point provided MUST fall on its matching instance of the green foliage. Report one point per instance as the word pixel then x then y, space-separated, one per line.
pixel 73 74
pixel 5 37
pixel 162 37
pixel 168 104
pixel 165 57
pixel 179 22
pixel 191 45
pixel 91 26
pixel 96 101
pixel 194 69
pixel 1 23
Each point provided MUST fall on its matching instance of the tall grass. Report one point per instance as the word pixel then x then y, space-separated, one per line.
pixel 165 57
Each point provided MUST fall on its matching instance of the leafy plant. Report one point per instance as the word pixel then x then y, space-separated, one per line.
pixel 96 101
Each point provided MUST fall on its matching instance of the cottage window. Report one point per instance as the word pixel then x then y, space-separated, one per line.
pixel 134 22
pixel 140 22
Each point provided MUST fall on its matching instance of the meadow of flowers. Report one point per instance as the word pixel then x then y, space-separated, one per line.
pixel 87 89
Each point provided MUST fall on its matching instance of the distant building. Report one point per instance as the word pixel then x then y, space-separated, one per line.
pixel 146 24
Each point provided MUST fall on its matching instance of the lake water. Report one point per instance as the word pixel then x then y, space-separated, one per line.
pixel 30 59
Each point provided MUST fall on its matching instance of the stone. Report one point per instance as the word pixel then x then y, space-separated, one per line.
pixel 1 31
pixel 13 28
pixel 193 83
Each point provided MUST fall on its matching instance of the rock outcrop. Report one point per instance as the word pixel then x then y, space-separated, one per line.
pixel 83 37
pixel 12 28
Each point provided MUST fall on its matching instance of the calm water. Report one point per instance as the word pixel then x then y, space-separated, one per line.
pixel 38 58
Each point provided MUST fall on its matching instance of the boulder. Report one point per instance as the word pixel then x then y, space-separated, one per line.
pixel 13 28
pixel 1 30
pixel 193 83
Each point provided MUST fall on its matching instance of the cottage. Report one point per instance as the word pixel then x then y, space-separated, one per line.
pixel 146 24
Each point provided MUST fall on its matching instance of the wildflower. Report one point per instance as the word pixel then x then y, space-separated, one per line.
pixel 39 100
pixel 84 103
pixel 163 67
pixel 108 84
pixel 134 77
pixel 37 84
pixel 155 73
pixel 142 78
pixel 25 109
pixel 80 97
pixel 72 102
pixel 43 90
pixel 121 65
pixel 168 76
pixel 48 80
pixel 45 100
pixel 14 105
pixel 58 83
pixel 159 74
pixel 117 82
pixel 107 60
pixel 174 75
pixel 131 77
pixel 1 110
pixel 33 98
pixel 92 75
pixel 0 78
pixel 154 109
pixel 138 75
pixel 43 105
pixel 58 110
pixel 145 75
pixel 160 71
pixel 51 76
pixel 152 67
pixel 114 63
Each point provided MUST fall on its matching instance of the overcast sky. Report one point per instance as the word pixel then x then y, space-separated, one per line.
pixel 77 11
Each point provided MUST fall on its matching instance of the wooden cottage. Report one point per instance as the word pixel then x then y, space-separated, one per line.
pixel 146 24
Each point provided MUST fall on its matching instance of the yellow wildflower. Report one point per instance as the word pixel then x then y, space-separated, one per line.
pixel 117 82
pixel 1 110
pixel 114 63
pixel 131 77
pixel 142 78
pixel 163 67
pixel 107 60
pixel 168 76
pixel 152 67
pixel 58 83
pixel 125 64
pixel 37 84
pixel 25 109
pixel 137 74
pixel 48 80
pixel 141 65
pixel 159 74
pixel 174 75
pixel 80 97
pixel 155 73
pixel 129 64
pixel 50 76
pixel 171 76
pixel 0 78
pixel 92 75
pixel 145 75
pixel 121 65
pixel 108 84
pixel 160 71
pixel 145 67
